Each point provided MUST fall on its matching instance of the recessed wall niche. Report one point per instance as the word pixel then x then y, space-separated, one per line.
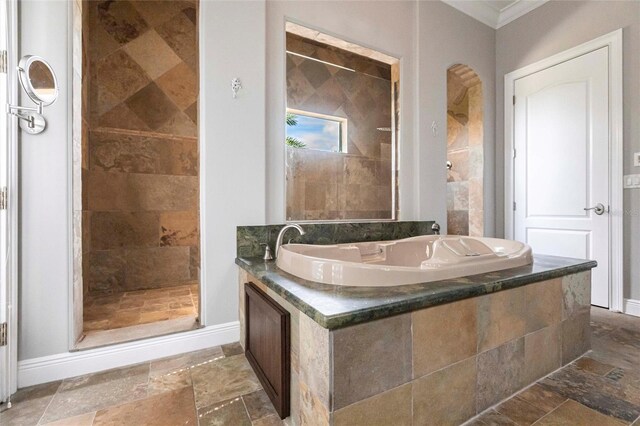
pixel 341 129
pixel 136 132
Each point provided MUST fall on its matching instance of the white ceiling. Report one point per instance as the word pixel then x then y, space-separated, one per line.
pixel 495 13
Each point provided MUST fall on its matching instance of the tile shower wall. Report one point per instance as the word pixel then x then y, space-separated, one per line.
pixel 465 152
pixel 329 185
pixel 140 159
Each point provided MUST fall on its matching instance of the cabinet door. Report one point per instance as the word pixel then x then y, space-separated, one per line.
pixel 267 345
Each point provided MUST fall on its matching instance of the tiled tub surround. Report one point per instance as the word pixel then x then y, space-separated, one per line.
pixel 140 146
pixel 356 184
pixel 427 353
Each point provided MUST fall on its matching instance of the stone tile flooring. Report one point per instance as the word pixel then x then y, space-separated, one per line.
pixel 601 388
pixel 216 386
pixel 140 307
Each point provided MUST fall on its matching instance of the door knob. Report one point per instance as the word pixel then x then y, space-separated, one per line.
pixel 598 209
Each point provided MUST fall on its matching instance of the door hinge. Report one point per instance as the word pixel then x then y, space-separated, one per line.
pixel 4 200
pixel 3 61
pixel 514 99
pixel 3 334
pixel 514 153
pixel 514 206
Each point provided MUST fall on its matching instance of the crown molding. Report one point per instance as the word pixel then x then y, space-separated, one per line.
pixel 478 10
pixel 516 10
pixel 488 15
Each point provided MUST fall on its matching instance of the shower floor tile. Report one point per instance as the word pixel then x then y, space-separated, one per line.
pixel 140 307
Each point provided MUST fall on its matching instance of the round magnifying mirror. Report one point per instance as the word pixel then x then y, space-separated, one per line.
pixel 38 80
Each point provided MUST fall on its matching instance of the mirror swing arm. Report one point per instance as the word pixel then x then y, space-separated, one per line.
pixel 30 118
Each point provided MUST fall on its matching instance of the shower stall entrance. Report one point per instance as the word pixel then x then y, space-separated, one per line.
pixel 136 170
pixel 465 157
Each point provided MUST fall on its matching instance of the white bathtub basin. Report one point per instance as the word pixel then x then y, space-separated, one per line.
pixel 409 261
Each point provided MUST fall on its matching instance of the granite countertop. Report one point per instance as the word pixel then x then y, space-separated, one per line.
pixel 335 306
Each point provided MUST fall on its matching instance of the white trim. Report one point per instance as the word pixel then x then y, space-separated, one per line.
pixel 342 121
pixel 613 41
pixel 479 11
pixel 516 10
pixel 202 169
pixel 489 15
pixel 72 333
pixel 70 364
pixel 71 337
pixel 8 385
pixel 632 307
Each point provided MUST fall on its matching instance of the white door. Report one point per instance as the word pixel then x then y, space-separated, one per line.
pixel 561 168
pixel 4 163
pixel 7 352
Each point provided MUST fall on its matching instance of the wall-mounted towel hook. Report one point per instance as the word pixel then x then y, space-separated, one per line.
pixel 236 85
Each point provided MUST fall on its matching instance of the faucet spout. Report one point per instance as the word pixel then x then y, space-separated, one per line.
pixel 282 232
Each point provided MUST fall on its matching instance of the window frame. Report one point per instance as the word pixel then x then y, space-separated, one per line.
pixel 343 122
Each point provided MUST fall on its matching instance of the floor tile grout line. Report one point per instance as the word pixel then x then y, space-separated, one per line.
pixel 517 396
pixel 193 392
pixel 246 410
pixel 559 405
pixel 50 401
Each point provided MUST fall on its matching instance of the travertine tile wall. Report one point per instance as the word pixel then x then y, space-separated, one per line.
pixel 440 365
pixel 140 162
pixel 352 185
pixel 465 210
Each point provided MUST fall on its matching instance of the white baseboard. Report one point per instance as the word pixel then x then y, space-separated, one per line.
pixel 631 307
pixel 69 364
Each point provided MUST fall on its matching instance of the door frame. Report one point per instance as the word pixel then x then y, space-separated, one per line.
pixel 73 313
pixel 8 385
pixel 613 41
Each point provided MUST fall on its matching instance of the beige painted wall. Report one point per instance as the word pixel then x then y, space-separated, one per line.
pixel 553 28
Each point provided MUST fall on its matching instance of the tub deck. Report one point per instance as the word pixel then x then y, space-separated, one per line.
pixel 334 307
pixel 441 352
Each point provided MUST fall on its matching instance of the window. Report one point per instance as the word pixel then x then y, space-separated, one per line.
pixel 309 130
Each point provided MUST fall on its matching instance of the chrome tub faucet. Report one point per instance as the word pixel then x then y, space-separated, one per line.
pixel 282 232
